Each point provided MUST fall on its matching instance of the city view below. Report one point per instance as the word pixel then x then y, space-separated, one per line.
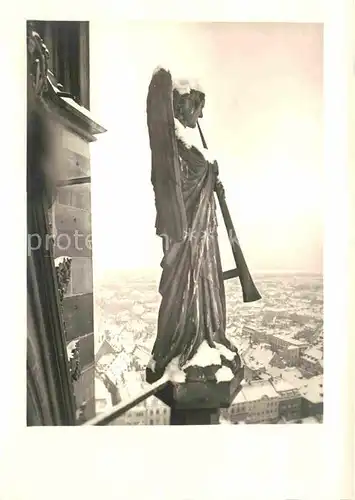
pixel 279 338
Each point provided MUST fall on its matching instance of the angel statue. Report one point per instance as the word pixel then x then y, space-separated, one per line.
pixel 192 315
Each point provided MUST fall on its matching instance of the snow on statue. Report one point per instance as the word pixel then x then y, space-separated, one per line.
pixel 192 315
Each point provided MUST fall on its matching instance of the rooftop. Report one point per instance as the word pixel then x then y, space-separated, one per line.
pixel 101 391
pixel 295 342
pixel 255 390
pixel 314 352
pixel 257 357
pixel 282 385
pixel 312 389
pixel 290 374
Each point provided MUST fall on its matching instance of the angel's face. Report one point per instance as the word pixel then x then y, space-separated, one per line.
pixel 190 108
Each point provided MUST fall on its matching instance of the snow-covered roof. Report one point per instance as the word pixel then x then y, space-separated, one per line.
pixel 107 359
pixel 240 398
pixel 313 389
pixel 291 340
pixel 314 352
pixel 61 259
pixel 131 384
pixel 257 357
pixel 255 390
pixel 282 385
pixel 101 391
pixel 290 374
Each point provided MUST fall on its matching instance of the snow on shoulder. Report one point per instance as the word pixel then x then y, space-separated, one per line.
pixel 191 138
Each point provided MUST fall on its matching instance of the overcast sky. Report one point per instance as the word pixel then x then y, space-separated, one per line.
pixel 263 119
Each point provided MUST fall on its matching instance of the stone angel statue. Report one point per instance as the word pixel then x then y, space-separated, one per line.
pixel 192 315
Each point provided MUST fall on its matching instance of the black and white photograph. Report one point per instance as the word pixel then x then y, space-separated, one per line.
pixel 177 250
pixel 175 225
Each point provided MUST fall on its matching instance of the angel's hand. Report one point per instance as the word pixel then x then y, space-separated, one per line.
pixel 215 168
pixel 219 188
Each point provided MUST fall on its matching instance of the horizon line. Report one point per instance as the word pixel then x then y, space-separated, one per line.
pixel 159 270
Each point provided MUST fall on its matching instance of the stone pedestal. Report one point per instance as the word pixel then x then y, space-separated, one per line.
pixel 198 399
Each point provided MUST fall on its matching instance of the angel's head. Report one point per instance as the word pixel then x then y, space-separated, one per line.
pixel 188 102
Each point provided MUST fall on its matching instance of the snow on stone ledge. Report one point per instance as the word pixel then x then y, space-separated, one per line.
pixel 70 348
pixel 224 351
pixel 224 374
pixel 174 372
pixel 205 356
pixel 61 259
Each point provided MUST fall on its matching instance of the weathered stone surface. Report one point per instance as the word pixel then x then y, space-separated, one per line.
pixel 195 395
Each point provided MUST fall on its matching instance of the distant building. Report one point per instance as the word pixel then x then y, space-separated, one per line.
pixel 157 413
pixel 257 402
pixel 301 319
pixel 104 349
pixel 284 342
pixel 135 416
pixel 265 401
pixel 258 335
pixel 110 384
pixel 150 412
pixel 251 374
pixel 256 359
pixel 307 333
pixel 290 401
pixel 103 401
pixel 271 314
pixel 278 361
pixel 292 354
pixel 311 362
pixel 312 397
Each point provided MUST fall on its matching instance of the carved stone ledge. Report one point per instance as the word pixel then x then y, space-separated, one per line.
pixel 38 57
pixel 50 397
pixel 74 360
pixel 199 402
pixel 72 115
pixel 63 271
pixel 44 86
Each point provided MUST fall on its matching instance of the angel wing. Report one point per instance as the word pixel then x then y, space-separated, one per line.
pixel 166 173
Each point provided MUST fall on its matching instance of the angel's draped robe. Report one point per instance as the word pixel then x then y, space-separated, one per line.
pixel 193 306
